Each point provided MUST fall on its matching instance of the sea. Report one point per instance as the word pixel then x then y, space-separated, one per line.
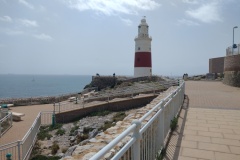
pixel 26 86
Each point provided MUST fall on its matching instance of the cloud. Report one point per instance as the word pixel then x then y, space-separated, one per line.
pixel 14 32
pixel 187 22
pixel 25 3
pixel 128 22
pixel 206 13
pixel 28 23
pixel 110 7
pixel 191 1
pixel 6 19
pixel 43 37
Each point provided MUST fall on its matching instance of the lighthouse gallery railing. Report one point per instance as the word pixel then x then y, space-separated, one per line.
pixel 148 139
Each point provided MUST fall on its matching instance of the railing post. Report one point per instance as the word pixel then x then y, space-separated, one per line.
pixel 19 150
pixel 138 136
pixel 160 129
pixel 9 156
pixel 0 128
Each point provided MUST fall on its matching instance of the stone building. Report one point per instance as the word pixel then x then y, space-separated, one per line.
pixel 229 65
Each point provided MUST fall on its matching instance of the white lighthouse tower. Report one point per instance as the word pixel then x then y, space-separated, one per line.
pixel 143 60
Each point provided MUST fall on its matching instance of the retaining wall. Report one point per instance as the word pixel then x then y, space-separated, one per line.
pixel 66 117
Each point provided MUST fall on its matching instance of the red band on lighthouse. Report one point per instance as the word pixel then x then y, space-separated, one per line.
pixel 143 59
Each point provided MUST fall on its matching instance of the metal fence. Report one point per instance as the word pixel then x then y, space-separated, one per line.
pixel 21 150
pixel 5 122
pixel 147 136
pixel 230 51
pixel 80 102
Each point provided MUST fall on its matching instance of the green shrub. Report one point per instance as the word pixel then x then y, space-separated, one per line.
pixel 60 132
pixel 100 113
pixel 73 129
pixel 174 123
pixel 55 148
pixel 43 133
pixel 119 116
pixel 42 157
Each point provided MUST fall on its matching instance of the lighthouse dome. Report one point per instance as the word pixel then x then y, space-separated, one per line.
pixel 143 22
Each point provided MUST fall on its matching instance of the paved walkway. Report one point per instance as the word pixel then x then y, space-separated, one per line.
pixel 209 124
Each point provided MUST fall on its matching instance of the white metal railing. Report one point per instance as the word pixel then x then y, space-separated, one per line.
pixel 147 136
pixel 230 51
pixel 80 102
pixel 5 122
pixel 21 150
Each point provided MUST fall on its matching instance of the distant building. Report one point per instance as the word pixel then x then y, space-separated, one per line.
pixel 216 65
pixel 143 59
pixel 228 65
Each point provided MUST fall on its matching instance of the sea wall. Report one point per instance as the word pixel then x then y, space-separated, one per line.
pixel 36 100
pixel 120 105
pixel 232 70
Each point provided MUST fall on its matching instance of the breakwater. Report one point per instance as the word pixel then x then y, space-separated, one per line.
pixel 36 100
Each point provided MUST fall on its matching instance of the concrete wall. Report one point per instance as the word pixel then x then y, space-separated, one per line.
pixel 70 116
pixel 232 70
pixel 216 65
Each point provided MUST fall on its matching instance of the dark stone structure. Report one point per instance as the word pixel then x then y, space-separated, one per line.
pixel 232 70
pixel 216 65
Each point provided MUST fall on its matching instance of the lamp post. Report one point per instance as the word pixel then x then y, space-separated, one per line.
pixel 233 46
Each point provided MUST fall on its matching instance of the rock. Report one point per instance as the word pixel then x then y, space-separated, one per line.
pixel 60 154
pixel 84 142
pixel 70 151
pixel 93 140
pixel 81 149
pixel 88 155
pixel 93 133
pixel 72 139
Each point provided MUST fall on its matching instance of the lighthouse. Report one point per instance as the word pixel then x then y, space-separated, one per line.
pixel 143 60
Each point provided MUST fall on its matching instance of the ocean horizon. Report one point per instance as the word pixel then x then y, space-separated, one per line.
pixel 26 85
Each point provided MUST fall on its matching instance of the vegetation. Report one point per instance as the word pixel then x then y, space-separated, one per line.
pixel 60 132
pixel 119 116
pixel 42 157
pixel 161 155
pixel 100 113
pixel 55 148
pixel 44 131
pixel 174 123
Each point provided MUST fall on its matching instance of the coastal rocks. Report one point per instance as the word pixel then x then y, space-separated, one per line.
pixel 104 138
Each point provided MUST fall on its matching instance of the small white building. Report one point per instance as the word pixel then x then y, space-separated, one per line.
pixel 143 59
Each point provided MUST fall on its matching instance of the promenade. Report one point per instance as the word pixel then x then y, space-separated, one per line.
pixel 209 124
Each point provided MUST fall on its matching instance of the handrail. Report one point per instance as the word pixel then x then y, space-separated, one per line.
pixel 174 98
pixel 20 154
pixel 108 147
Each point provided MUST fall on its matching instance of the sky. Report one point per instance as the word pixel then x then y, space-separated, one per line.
pixel 85 37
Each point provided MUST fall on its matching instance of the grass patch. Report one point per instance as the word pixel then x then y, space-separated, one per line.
pixel 55 148
pixel 43 133
pixel 161 155
pixel 73 129
pixel 42 157
pixel 174 123
pixel 100 113
pixel 60 132
pixel 119 116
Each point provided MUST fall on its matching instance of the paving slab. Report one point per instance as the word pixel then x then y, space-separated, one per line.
pixel 209 123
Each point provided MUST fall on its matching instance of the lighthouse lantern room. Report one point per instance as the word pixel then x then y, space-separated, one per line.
pixel 143 60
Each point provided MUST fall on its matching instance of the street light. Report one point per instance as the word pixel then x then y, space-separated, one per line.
pixel 234 45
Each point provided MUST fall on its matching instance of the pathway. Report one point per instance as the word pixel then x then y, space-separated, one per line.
pixel 209 124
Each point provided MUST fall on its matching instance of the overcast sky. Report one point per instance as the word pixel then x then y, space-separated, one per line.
pixel 85 37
